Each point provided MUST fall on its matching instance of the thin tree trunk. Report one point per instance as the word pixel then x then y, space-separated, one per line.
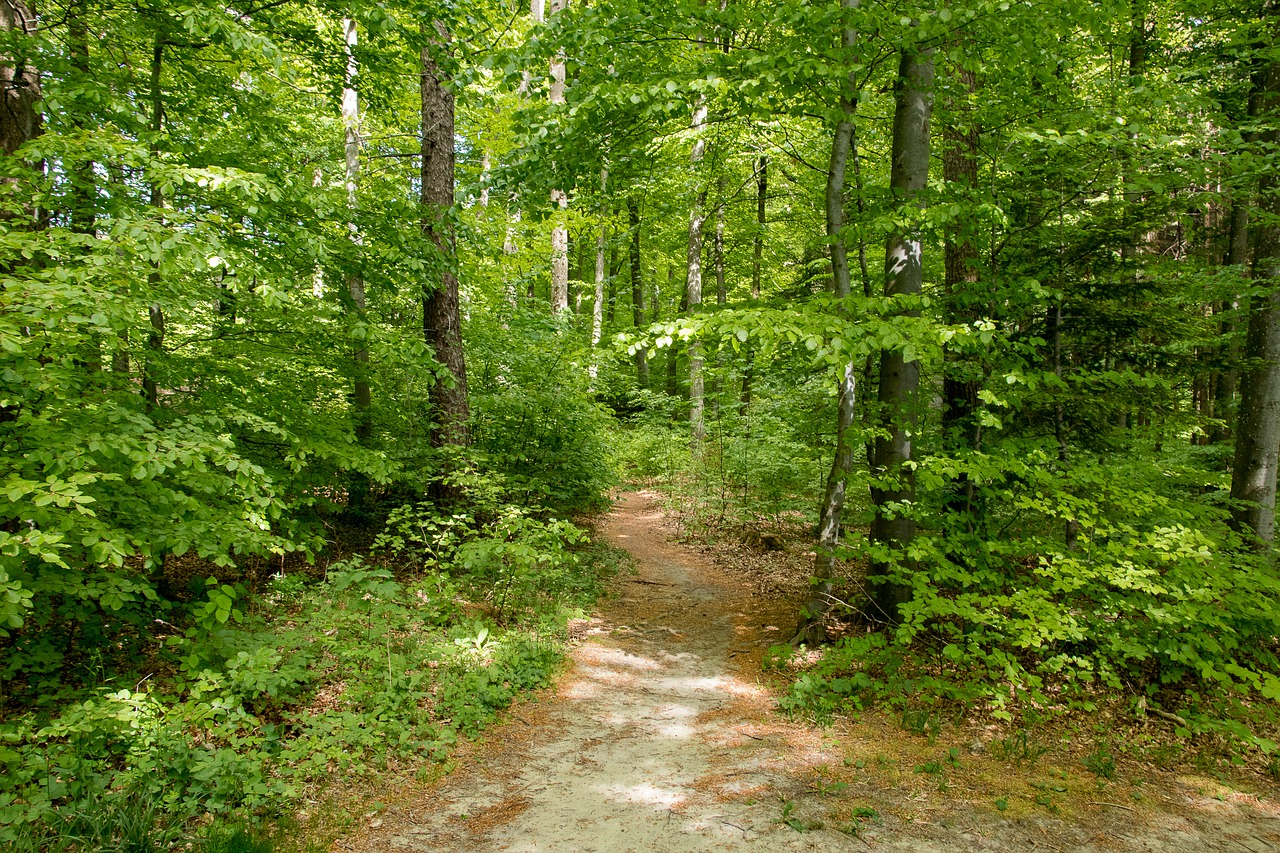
pixel 155 314
pixel 597 310
pixel 362 395
pixel 559 230
pixel 1053 322
pixel 894 489
pixel 812 629
pixel 611 285
pixel 637 290
pixel 1253 476
pixel 673 350
pixel 757 267
pixel 1226 380
pixel 960 385
pixel 693 281
pixel 441 312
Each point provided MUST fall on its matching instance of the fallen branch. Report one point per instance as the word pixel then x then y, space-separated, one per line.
pixel 1113 805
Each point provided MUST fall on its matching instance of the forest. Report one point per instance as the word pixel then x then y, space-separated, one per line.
pixel 327 326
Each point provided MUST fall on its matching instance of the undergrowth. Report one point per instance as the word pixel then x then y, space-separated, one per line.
pixel 258 699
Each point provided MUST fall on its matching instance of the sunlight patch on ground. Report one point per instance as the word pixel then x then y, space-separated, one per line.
pixel 643 794
pixel 697 684
pixel 619 658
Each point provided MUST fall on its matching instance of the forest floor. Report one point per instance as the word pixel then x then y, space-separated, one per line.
pixel 663 736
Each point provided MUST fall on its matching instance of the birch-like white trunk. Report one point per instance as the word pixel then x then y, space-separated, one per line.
pixel 559 231
pixel 597 310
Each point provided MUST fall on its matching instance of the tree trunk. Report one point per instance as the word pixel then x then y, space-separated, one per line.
pixel 637 290
pixel 362 396
pixel 893 489
pixel 673 350
pixel 960 384
pixel 693 281
pixel 1253 476
pixel 441 313
pixel 155 314
pixel 597 310
pixel 559 230
pixel 19 119
pixel 812 629
pixel 757 266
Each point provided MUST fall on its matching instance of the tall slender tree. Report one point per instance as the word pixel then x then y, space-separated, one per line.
pixel 441 312
pixel 830 514
pixel 1257 451
pixel 893 487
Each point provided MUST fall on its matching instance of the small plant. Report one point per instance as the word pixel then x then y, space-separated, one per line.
pixel 235 839
pixel 1018 748
pixel 922 721
pixel 794 822
pixel 861 814
pixel 1101 762
pixel 1045 794
pixel 1002 803
pixel 823 788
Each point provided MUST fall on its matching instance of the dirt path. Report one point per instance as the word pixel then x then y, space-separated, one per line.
pixel 659 740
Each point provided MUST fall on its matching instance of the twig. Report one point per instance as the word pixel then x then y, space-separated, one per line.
pixel 1113 805
pixel 1165 715
pixel 650 583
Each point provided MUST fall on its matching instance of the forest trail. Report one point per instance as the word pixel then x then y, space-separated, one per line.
pixel 660 740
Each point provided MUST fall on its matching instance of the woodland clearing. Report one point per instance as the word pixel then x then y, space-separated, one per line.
pixel 664 736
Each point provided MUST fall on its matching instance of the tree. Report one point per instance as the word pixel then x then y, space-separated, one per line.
pixel 893 490
pixel 441 312
pixel 1257 451
pixel 831 511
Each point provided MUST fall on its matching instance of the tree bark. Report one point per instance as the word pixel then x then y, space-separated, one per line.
pixel 559 230
pixel 597 310
pixel 959 385
pixel 362 395
pixel 1226 380
pixel 757 267
pixel 19 119
pixel 637 289
pixel 1253 476
pixel 693 281
pixel 441 312
pixel 155 313
pixel 811 628
pixel 893 490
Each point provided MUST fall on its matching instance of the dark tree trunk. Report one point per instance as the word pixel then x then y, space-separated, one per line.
pixel 757 267
pixel 637 290
pixel 1253 476
pixel 155 313
pixel 960 379
pixel 441 313
pixel 811 628
pixel 893 478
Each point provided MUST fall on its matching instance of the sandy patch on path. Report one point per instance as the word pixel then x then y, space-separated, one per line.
pixel 659 740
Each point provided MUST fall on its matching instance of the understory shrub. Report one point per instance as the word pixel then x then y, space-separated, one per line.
pixel 271 694
pixel 1008 610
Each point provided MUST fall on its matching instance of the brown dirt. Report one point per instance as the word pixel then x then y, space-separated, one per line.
pixel 664 737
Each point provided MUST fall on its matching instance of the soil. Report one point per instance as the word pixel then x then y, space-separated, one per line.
pixel 664 736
